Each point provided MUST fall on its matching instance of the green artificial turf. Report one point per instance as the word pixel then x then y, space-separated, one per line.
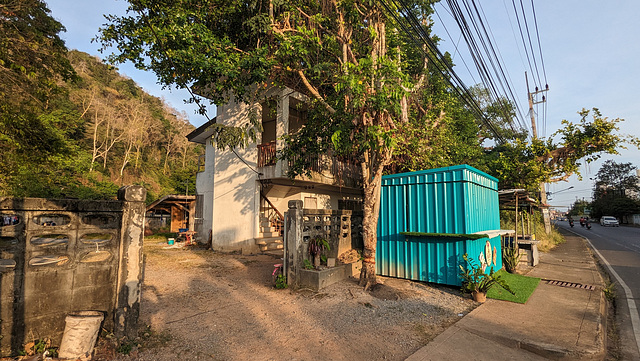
pixel 445 235
pixel 523 287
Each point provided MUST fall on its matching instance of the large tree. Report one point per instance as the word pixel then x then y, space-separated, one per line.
pixel 526 164
pixel 33 60
pixel 353 62
pixel 618 178
pixel 616 190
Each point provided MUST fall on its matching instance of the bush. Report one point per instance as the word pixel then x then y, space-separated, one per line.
pixel 547 242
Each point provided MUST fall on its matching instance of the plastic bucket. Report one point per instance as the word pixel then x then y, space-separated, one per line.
pixel 171 241
pixel 80 333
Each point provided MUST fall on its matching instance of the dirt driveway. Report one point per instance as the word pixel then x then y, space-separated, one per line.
pixel 211 306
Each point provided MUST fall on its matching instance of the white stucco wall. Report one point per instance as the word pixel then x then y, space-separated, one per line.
pixel 235 200
pixel 204 186
pixel 231 188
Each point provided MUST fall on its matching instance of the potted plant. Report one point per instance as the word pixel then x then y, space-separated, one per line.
pixel 477 282
pixel 316 247
pixel 510 258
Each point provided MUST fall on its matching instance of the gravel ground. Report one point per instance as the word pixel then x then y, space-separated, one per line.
pixel 202 305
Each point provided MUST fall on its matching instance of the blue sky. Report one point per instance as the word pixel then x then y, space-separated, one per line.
pixel 590 50
pixel 591 54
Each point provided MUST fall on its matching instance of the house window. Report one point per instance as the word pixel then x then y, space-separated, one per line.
pixel 267 150
pixel 297 115
pixel 269 115
pixel 199 204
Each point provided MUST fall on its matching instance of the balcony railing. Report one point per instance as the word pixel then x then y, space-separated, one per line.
pixel 342 171
pixel 267 154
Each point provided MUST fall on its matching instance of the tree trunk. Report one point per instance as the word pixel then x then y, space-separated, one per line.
pixel 372 179
pixel 372 166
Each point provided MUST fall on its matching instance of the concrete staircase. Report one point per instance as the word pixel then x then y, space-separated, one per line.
pixel 269 238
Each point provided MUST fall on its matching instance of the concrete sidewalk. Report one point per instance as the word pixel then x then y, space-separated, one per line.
pixel 558 323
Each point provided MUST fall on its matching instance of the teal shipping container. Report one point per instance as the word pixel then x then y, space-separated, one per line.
pixel 446 203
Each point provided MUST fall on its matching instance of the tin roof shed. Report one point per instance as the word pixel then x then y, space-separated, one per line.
pixel 445 205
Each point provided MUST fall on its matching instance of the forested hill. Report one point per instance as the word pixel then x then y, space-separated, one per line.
pixel 129 136
pixel 70 126
pixel 79 129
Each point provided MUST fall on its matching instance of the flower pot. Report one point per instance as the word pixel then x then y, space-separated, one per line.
pixel 479 296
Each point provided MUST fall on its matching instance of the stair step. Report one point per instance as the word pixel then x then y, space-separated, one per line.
pixel 268 240
pixel 271 247
pixel 270 234
pixel 266 223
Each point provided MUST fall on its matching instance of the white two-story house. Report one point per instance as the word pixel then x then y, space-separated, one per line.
pixel 242 195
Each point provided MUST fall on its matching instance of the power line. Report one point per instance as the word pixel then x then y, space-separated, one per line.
pixel 412 27
pixel 477 53
pixel 515 9
pixel 455 45
pixel 535 63
pixel 485 55
pixel 516 103
pixel 535 20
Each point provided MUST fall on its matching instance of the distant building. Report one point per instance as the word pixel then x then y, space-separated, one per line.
pixel 171 213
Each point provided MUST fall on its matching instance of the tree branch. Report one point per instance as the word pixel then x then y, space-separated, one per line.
pixel 315 92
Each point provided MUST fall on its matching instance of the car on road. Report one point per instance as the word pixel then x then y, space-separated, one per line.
pixel 609 221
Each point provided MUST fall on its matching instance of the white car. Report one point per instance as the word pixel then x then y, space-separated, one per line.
pixel 609 221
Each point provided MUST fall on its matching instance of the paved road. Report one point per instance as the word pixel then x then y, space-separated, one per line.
pixel 620 248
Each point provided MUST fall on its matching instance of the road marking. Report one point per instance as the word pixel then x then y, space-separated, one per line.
pixel 631 303
pixel 632 247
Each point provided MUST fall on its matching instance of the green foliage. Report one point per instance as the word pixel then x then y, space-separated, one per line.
pixel 578 208
pixel 611 196
pixel 475 279
pixel 281 282
pixel 510 258
pixel 183 181
pixel 32 56
pixel 50 151
pixel 40 347
pixel 546 241
pixel 307 264
pixel 619 177
pixel 617 206
pixel 126 347
pixel 318 245
pixel 520 164
pixel 610 291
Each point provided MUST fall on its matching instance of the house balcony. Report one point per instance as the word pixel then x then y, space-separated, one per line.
pixel 325 169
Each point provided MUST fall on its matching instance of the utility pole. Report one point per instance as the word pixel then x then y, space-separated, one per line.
pixel 534 130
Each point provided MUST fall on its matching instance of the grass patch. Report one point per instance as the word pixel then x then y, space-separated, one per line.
pixel 523 287
pixel 445 235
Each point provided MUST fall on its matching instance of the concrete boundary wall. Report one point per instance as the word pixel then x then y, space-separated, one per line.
pixel 62 256
pixel 302 225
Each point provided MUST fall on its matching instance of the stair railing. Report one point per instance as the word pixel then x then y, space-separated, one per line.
pixel 268 210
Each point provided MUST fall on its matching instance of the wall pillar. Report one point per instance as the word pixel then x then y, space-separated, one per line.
pixel 294 242
pixel 130 271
